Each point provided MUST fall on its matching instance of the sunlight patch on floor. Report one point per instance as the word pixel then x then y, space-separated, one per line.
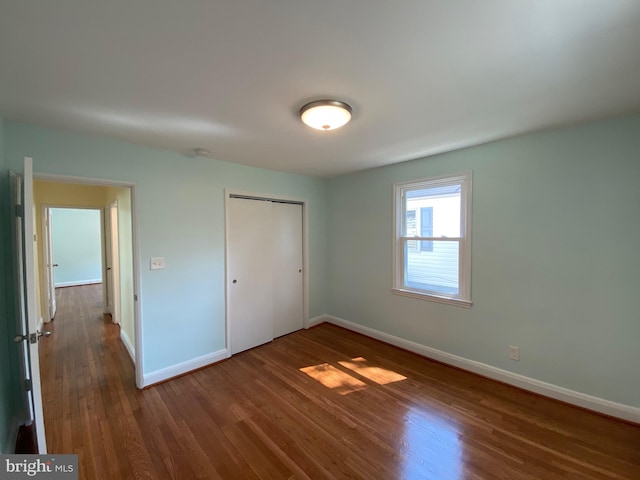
pixel 344 382
pixel 333 378
pixel 381 376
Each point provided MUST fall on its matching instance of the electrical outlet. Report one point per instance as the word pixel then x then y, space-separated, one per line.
pixel 157 263
pixel 514 352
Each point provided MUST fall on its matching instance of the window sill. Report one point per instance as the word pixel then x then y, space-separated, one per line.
pixel 432 298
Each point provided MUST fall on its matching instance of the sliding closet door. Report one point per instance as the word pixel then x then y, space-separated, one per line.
pixel 250 273
pixel 287 274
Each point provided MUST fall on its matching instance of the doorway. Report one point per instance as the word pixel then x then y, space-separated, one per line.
pixel 119 275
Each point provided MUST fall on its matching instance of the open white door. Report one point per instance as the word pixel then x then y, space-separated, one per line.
pixel 28 334
pixel 113 262
pixel 49 265
pixel 107 273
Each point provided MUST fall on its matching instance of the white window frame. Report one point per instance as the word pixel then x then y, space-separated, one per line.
pixel 463 298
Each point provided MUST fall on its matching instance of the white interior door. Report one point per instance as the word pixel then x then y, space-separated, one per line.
pixel 249 273
pixel 288 303
pixel 113 267
pixel 27 331
pixel 49 262
pixel 108 271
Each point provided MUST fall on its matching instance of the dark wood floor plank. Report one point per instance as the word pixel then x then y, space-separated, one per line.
pixel 323 403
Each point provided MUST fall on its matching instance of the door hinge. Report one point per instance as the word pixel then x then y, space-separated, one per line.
pixel 19 211
pixel 135 298
pixel 28 385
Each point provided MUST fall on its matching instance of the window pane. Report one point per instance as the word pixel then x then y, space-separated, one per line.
pixel 435 270
pixel 411 224
pixel 444 205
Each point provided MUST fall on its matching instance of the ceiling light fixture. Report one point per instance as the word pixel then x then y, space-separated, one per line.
pixel 201 152
pixel 325 114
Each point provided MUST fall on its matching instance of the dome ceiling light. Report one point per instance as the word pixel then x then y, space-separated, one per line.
pixel 201 152
pixel 325 114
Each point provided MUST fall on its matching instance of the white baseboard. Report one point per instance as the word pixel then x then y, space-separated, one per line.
pixel 77 283
pixel 312 322
pixel 184 367
pixel 614 409
pixel 128 345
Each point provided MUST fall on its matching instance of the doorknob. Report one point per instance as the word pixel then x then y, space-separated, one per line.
pixel 32 337
pixel 235 281
pixel 55 264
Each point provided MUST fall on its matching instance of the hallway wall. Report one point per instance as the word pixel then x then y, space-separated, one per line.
pixel 76 244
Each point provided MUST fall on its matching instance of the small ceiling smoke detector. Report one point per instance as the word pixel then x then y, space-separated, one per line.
pixel 201 152
pixel 325 114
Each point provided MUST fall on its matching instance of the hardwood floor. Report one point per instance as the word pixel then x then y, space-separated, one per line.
pixel 316 404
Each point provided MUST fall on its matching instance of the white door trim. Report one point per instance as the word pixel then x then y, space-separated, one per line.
pixel 305 249
pixel 139 354
pixel 114 256
pixel 47 256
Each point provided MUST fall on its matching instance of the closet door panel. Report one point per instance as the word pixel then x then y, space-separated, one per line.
pixel 287 273
pixel 250 273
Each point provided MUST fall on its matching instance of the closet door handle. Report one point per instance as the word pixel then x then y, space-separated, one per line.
pixel 235 281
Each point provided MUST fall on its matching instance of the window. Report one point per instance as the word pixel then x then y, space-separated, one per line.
pixel 432 244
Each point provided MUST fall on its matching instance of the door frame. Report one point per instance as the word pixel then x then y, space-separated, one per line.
pixel 137 313
pixel 47 257
pixel 112 257
pixel 228 193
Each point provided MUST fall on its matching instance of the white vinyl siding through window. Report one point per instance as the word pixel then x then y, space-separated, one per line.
pixel 432 243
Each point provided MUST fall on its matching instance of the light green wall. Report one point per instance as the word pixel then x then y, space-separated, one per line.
pixel 555 257
pixel 76 238
pixel 180 215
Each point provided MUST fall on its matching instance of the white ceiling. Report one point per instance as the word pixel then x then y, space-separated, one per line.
pixel 422 76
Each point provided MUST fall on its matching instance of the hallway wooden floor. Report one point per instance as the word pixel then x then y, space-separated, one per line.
pixel 316 404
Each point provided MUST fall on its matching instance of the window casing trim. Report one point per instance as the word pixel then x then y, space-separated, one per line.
pixel 433 297
pixel 400 189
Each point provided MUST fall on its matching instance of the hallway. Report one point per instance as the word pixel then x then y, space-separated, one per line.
pixel 85 373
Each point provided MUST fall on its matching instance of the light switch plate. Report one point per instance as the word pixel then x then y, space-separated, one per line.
pixel 157 263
